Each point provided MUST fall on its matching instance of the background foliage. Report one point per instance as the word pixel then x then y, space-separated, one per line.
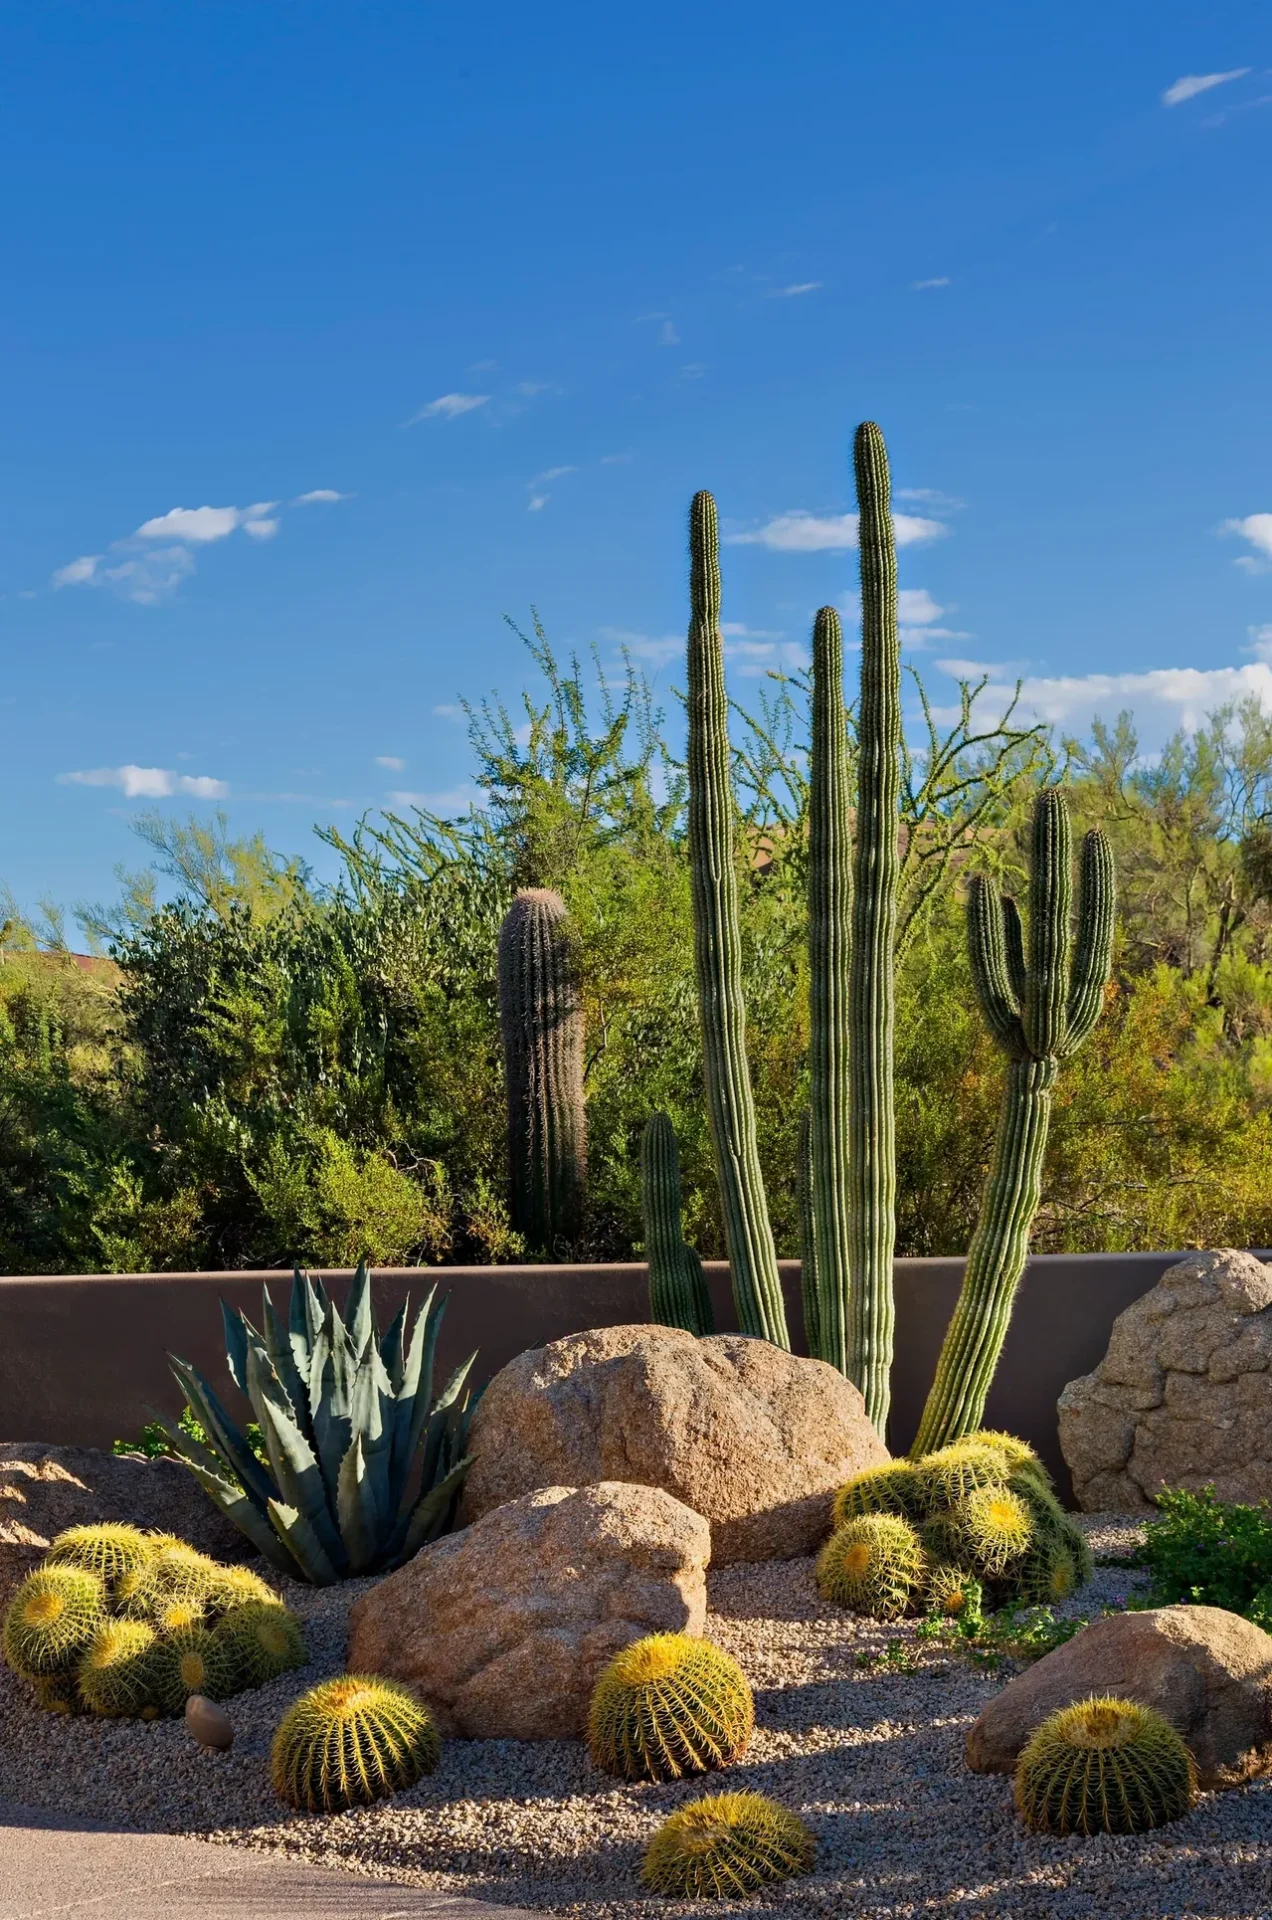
pixel 253 1068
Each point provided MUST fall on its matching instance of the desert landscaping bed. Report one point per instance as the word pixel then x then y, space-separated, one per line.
pixel 872 1756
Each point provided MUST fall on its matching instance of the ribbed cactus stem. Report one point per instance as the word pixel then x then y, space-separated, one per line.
pixel 872 992
pixel 541 1017
pixel 829 946
pixel 678 1294
pixel 1039 1009
pixel 810 1287
pixel 718 949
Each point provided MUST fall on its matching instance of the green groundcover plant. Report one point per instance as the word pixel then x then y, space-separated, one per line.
pixel 1212 1552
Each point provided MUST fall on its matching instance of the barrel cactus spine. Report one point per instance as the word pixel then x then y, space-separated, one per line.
pixel 350 1741
pixel 898 1487
pixel 678 1294
pixel 116 1676
pixel 1104 1765
pixel 669 1705
pixel 192 1660
pixel 541 1018
pixel 717 946
pixel 872 1564
pixel 113 1550
pixel 265 1640
pixel 1040 1011
pixel 50 1620
pixel 725 1847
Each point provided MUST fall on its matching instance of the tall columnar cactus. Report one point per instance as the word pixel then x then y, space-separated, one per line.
pixel 1039 1010
pixel 828 1176
pixel 717 948
pixel 678 1294
pixel 871 988
pixel 542 1020
pixel 810 1289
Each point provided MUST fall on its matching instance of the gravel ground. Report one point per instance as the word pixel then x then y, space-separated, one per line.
pixel 872 1758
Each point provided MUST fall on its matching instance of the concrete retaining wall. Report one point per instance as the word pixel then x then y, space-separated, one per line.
pixel 82 1357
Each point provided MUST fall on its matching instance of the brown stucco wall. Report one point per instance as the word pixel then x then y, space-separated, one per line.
pixel 82 1357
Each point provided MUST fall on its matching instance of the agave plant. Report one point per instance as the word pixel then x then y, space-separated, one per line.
pixel 362 1466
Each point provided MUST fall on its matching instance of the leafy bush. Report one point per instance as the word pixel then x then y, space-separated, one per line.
pixel 1213 1552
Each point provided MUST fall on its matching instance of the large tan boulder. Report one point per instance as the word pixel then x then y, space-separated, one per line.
pixel 1183 1397
pixel 752 1438
pixel 1208 1672
pixel 504 1628
pixel 44 1489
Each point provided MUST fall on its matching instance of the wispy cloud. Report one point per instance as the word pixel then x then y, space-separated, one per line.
pixel 793 292
pixel 317 494
pixel 201 525
pixel 148 783
pixel 667 335
pixel 449 804
pixel 389 760
pixel 801 532
pixel 922 286
pixel 931 497
pixel 140 569
pixel 1163 699
pixel 77 573
pixel 1189 85
pixel 1257 529
pixel 449 406
pixel 656 648
pixel 449 711
pixel 538 498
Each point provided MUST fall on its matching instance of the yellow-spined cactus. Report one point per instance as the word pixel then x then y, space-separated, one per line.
pixel 669 1705
pixel 350 1741
pixel 237 1587
pixel 113 1551
pixel 1047 1575
pixel 873 1564
pixel 1017 1453
pixel 897 1488
pixel 57 1693
pixel 950 1591
pixel 964 1467
pixel 116 1675
pixel 265 1639
pixel 987 1533
pixel 192 1661
pixel 177 1613
pixel 1104 1766
pixel 51 1619
pixel 725 1847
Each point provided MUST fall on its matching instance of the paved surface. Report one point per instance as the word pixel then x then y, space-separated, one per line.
pixel 53 1864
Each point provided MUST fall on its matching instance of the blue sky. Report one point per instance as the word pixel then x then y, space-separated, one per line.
pixel 333 332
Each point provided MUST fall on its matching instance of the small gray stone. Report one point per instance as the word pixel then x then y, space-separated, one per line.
pixel 211 1725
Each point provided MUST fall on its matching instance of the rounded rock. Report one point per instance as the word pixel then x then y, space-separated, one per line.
pixel 208 1723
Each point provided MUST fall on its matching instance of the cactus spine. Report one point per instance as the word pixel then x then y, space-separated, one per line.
pixel 1104 1765
pixel 717 949
pixel 871 990
pixel 726 1847
pixel 1039 1011
pixel 669 1705
pixel 542 1021
pixel 350 1741
pixel 678 1294
pixel 829 944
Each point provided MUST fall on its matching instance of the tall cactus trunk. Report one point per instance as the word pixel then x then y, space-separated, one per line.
pixel 828 1176
pixel 872 987
pixel 717 945
pixel 995 1259
pixel 541 1017
pixel 810 1289
pixel 678 1295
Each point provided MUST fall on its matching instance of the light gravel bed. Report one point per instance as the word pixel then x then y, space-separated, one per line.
pixel 872 1758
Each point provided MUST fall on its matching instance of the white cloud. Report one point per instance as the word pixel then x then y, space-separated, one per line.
pixel 916 607
pixel 449 711
pixel 261 529
pixel 149 783
pixel 1191 84
pixel 802 532
pixel 667 335
pixel 1257 529
pixel 149 578
pixel 616 459
pixel 1162 699
pixel 657 649
pixel 204 524
pixel 449 406
pixel 389 760
pixel 793 293
pixel 77 573
pixel 735 630
pixel 319 493
pixel 454 801
pixel 538 499
pixel 921 286
pixel 529 388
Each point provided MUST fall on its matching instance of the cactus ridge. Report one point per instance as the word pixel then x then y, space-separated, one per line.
pixel 950 1591
pixel 265 1640
pixel 896 1488
pixel 678 1295
pixel 541 1018
pixel 1040 997
pixel 725 1847
pixel 669 1705
pixel 350 1741
pixel 57 1693
pixel 987 1532
pixel 192 1660
pixel 116 1675
pixel 873 1564
pixel 236 1587
pixel 113 1551
pixel 1104 1765
pixel 717 944
pixel 51 1619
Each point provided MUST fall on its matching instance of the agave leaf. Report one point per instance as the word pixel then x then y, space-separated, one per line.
pixel 228 1495
pixel 412 1406
pixel 226 1440
pixel 429 1515
pixel 358 1315
pixel 370 1427
pixel 279 1348
pixel 296 1468
pixel 303 1544
pixel 444 1439
pixel 391 1352
pixel 360 1524
pixel 235 1346
pixel 329 1398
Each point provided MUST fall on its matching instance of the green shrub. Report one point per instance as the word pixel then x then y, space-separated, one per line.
pixel 1211 1552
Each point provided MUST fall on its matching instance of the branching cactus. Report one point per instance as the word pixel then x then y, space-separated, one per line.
pixel 1040 1010
pixel 717 945
pixel 678 1294
pixel 542 1021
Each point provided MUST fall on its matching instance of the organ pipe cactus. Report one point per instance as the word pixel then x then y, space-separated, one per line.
pixel 718 949
pixel 810 1289
pixel 363 1466
pixel 678 1294
pixel 541 1017
pixel 1040 1010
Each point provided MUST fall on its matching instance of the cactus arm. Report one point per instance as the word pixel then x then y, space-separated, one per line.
pixel 718 949
pixel 1050 938
pixel 995 1260
pixel 678 1294
pixel 876 881
pixel 1093 949
pixel 809 1287
pixel 987 952
pixel 541 1019
pixel 1014 951
pixel 830 930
